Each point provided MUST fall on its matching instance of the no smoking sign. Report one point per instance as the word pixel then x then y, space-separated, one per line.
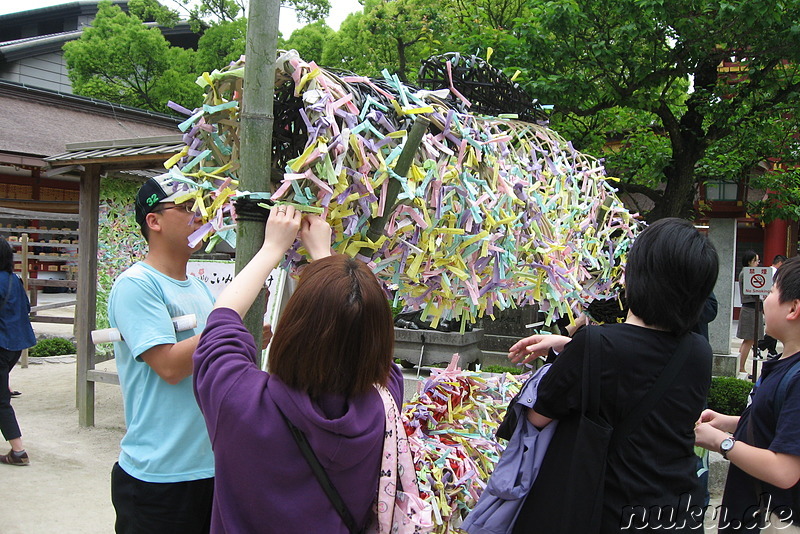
pixel 757 280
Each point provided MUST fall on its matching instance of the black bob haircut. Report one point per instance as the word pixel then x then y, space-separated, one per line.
pixel 671 270
pixel 748 256
pixel 6 256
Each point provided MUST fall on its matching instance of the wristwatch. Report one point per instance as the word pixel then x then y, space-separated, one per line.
pixel 726 445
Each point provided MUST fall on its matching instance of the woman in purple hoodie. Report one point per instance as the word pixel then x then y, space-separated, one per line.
pixel 333 342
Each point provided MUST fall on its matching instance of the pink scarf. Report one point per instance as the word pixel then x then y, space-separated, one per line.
pixel 398 511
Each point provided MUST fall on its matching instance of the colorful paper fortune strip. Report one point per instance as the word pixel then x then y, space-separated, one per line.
pixel 493 214
pixel 450 424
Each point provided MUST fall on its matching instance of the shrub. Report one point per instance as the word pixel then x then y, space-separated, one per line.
pixel 502 369
pixel 728 395
pixel 54 346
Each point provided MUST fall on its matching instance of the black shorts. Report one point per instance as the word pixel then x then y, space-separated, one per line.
pixel 156 508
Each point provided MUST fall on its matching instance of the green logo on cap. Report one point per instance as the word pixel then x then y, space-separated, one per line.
pixel 152 200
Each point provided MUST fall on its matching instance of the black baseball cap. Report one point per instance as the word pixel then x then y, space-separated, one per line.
pixel 157 190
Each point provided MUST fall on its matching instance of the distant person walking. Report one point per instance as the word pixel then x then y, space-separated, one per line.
pixel 746 331
pixel 16 334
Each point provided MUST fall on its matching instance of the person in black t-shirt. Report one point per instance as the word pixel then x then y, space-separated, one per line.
pixel 763 487
pixel 651 480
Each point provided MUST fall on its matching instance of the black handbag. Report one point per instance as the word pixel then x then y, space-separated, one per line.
pixel 567 497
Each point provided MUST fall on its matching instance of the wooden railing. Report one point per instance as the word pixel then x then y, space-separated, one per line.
pixel 32 286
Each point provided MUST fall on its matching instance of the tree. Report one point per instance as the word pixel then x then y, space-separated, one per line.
pixel 590 57
pixel 310 40
pixel 403 32
pixel 209 12
pixel 497 14
pixel 220 44
pixel 121 60
pixel 352 49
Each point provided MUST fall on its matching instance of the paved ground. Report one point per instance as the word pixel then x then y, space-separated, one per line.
pixel 66 488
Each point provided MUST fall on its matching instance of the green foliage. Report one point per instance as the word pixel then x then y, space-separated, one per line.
pixel 120 242
pixel 218 10
pixel 310 10
pixel 54 346
pixel 152 11
pixel 121 60
pixel 211 12
pixel 783 201
pixel 310 40
pixel 502 369
pixel 221 44
pixel 728 395
pixel 394 35
pixel 639 56
pixel 350 49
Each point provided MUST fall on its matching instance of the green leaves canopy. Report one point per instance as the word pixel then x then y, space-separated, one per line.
pixel 597 57
pixel 121 60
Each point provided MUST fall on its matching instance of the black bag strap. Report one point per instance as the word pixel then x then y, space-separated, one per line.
pixel 663 382
pixel 590 400
pixel 322 476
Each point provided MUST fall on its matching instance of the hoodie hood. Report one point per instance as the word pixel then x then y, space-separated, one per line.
pixel 340 430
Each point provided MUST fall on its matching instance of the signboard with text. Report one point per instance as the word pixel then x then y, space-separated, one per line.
pixel 217 274
pixel 757 280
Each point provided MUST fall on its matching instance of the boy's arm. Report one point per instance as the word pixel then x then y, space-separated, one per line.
pixel 143 319
pixel 536 419
pixel 779 469
pixel 172 362
pixel 726 423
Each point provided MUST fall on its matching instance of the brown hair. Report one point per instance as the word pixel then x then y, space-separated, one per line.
pixel 336 333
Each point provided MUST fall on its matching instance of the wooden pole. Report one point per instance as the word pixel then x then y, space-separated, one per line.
pixel 404 161
pixel 32 298
pixel 255 149
pixel 756 326
pixel 87 291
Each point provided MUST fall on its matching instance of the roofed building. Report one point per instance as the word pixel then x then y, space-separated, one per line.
pixel 31 42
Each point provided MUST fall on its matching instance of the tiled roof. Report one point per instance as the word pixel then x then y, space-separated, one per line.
pixel 119 149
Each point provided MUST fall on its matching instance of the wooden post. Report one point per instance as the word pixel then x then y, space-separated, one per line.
pixel 25 274
pixel 756 325
pixel 89 209
pixel 404 161
pixel 255 148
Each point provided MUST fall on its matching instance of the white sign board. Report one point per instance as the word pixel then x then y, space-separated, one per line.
pixel 757 280
pixel 216 274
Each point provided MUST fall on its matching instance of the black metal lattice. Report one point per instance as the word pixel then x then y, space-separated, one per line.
pixel 487 88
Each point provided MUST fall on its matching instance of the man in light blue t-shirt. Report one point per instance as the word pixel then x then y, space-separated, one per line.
pixel 163 481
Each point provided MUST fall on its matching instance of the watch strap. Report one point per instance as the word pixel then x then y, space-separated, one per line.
pixel 724 451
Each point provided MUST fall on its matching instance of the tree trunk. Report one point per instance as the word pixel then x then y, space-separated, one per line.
pixel 402 64
pixel 689 141
pixel 680 190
